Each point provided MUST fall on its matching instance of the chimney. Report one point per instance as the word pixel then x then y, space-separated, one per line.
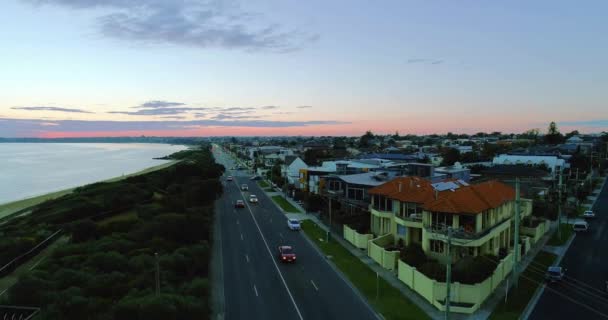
pixel 411 183
pixel 400 186
pixel 436 194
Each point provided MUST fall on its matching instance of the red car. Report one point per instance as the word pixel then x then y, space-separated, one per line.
pixel 239 204
pixel 286 254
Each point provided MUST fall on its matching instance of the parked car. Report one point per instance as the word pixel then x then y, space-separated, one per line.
pixel 589 214
pixel 555 274
pixel 229 178
pixel 286 254
pixel 256 178
pixel 244 187
pixel 580 226
pixel 239 204
pixel 293 224
pixel 253 198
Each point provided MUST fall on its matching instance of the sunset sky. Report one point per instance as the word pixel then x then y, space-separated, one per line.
pixel 287 67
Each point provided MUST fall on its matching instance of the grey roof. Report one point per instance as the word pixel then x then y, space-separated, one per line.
pixel 290 159
pixel 368 178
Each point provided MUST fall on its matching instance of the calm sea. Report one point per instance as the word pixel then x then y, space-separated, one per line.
pixel 32 169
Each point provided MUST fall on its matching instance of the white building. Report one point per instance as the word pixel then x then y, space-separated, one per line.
pixel 555 164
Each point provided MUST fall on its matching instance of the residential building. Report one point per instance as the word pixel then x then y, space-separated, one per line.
pixel 291 170
pixel 554 163
pixel 457 171
pixel 419 211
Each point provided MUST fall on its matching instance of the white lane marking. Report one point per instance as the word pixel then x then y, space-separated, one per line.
pixel 241 236
pixel 276 266
pixel 281 235
pixel 1 293
pixel 270 220
pixel 247 258
pixel 256 291
pixel 237 221
pixel 314 285
pixel 36 264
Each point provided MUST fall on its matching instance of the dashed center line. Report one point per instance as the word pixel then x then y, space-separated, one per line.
pixel 281 235
pixel 314 285
pixel 247 258
pixel 256 291
pixel 241 236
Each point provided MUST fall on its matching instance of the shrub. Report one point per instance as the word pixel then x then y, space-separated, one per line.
pixel 413 255
pixel 472 270
pixel 433 270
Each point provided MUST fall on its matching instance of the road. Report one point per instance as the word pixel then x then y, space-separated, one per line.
pixel 256 284
pixel 583 294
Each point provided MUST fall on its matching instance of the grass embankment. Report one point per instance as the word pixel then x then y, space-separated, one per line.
pixel 529 281
pixel 285 205
pixel 390 302
pixel 566 233
pixel 263 184
pixel 10 208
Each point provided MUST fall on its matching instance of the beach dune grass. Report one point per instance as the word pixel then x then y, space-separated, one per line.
pixel 10 208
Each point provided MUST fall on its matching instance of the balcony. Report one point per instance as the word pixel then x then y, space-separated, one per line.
pixel 465 237
pixel 412 220
pixel 380 213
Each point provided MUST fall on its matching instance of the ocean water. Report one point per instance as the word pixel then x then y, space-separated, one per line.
pixel 32 169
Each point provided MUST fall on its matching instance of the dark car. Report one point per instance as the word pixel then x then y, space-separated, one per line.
pixel 239 204
pixel 286 254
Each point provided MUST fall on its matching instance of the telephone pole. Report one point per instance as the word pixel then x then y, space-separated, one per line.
pixel 157 274
pixel 559 209
pixel 329 229
pixel 516 233
pixel 448 275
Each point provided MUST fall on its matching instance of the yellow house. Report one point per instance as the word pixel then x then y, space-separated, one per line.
pixel 417 211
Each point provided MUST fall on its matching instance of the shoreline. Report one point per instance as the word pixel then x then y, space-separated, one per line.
pixel 11 208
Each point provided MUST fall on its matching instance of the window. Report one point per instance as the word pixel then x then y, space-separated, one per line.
pixel 401 230
pixel 436 246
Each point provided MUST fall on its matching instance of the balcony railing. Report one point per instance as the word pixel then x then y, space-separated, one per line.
pixel 416 217
pixel 461 233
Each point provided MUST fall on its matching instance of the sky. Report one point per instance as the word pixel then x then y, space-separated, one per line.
pixel 74 68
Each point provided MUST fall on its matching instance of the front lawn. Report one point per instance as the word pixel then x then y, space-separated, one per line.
pixel 566 230
pixel 529 280
pixel 285 205
pixel 391 303
pixel 263 184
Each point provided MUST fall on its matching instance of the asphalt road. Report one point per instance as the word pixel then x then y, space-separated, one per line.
pixel 256 284
pixel 583 294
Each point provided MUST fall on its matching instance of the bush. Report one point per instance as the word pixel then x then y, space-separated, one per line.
pixel 413 255
pixel 433 270
pixel 83 230
pixel 472 270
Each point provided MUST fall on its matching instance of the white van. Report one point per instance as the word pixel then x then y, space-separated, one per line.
pixel 580 226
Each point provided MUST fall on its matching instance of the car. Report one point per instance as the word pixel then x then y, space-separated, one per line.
pixel 229 178
pixel 253 198
pixel 589 214
pixel 555 274
pixel 580 226
pixel 293 224
pixel 256 178
pixel 239 204
pixel 286 254
pixel 244 187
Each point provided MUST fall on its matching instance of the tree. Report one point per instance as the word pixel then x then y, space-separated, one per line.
pixel 571 134
pixel 84 230
pixel 365 140
pixel 531 134
pixel 450 156
pixel 553 135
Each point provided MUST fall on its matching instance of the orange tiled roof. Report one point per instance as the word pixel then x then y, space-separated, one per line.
pixel 466 199
pixel 472 199
pixel 413 189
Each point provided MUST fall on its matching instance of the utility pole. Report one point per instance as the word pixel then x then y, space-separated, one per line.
pixel 516 233
pixel 559 209
pixel 448 275
pixel 157 274
pixel 329 229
